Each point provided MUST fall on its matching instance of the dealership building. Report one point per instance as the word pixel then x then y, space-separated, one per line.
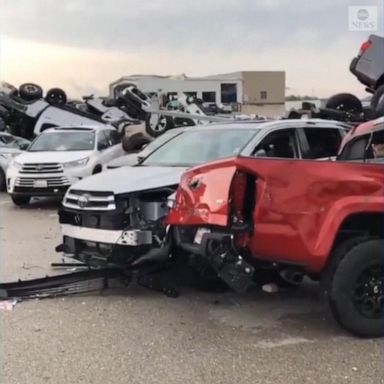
pixel 260 92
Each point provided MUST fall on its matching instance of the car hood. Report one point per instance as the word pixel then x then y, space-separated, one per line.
pixel 13 151
pixel 126 160
pixel 52 157
pixel 131 179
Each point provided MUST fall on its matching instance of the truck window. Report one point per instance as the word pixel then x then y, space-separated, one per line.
pixel 280 143
pixel 356 149
pixel 323 142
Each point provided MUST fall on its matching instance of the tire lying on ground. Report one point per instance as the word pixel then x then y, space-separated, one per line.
pixel 134 142
pixel 30 91
pixel 156 125
pixel 56 96
pixel 355 288
pixel 345 102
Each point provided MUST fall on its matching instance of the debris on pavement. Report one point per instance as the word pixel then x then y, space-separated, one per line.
pixel 7 305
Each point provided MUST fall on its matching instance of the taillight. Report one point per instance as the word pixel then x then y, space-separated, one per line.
pixel 238 194
pixel 364 46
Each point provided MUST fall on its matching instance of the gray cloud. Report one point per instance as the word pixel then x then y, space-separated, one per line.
pixel 228 26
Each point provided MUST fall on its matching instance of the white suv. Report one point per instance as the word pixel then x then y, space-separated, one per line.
pixel 59 157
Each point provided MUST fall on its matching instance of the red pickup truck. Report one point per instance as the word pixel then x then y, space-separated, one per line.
pixel 246 216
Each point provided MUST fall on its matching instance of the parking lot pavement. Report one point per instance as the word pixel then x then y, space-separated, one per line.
pixel 140 336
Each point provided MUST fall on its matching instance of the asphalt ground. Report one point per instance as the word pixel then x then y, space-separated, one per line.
pixel 135 335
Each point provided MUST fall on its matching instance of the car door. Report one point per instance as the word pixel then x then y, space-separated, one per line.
pixel 280 143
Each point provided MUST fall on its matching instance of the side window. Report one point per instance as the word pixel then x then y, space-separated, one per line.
pixel 280 143
pixel 102 141
pixel 115 137
pixel 112 137
pixel 356 149
pixel 322 142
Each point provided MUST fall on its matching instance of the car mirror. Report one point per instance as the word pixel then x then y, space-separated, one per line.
pixel 260 153
pixel 24 146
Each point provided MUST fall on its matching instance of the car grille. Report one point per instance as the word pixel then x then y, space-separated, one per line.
pixel 29 182
pixel 42 168
pixel 90 201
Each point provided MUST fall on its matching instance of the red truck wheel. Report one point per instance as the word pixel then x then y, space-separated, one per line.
pixel 356 289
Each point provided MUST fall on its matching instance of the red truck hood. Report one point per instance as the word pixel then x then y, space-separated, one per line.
pixel 203 194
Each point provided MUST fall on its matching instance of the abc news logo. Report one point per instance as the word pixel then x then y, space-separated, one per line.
pixel 363 18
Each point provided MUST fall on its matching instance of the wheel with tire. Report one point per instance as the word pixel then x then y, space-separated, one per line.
pixel 156 125
pixel 30 91
pixel 355 290
pixel 56 96
pixel 345 102
pixel 2 180
pixel 20 200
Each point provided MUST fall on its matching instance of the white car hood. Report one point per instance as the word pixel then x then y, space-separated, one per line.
pixel 126 160
pixel 131 179
pixel 14 151
pixel 52 157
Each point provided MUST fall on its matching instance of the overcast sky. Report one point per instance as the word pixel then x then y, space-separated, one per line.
pixel 83 45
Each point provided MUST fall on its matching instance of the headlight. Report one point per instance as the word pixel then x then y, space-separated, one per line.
pixel 15 164
pixel 76 163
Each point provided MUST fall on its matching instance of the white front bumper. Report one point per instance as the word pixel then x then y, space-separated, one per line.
pixel 62 179
pixel 129 238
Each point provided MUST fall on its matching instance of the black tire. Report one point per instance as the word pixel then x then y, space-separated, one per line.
pixel 164 123
pixel 355 289
pixel 56 96
pixel 2 180
pixel 30 91
pixel 345 102
pixel 20 200
pixel 134 142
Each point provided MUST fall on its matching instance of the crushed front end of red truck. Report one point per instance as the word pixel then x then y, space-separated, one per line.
pixel 249 218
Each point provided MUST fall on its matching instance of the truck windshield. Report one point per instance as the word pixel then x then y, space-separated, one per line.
pixel 196 147
pixel 64 141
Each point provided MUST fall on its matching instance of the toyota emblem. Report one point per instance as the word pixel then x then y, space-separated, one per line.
pixel 83 201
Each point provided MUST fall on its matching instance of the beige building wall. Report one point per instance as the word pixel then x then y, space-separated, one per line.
pixel 256 83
